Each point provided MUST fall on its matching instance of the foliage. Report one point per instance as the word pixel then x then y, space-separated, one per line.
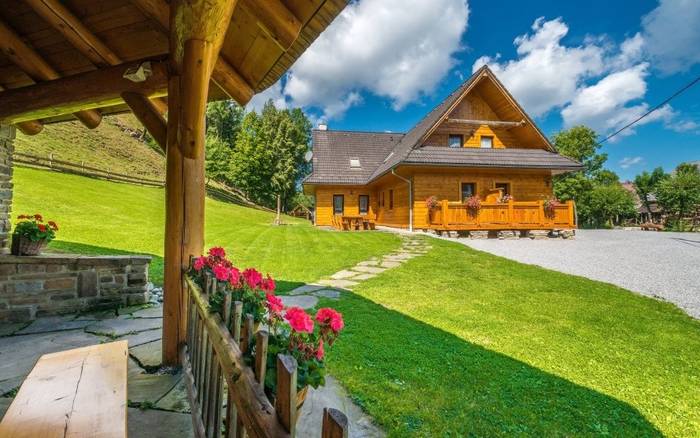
pixel 432 203
pixel 224 119
pixel 510 349
pixel 268 158
pixel 606 202
pixel 216 158
pixel 645 184
pixel 549 206
pixel 102 217
pixel 33 228
pixel 679 194
pixel 473 203
pixel 301 198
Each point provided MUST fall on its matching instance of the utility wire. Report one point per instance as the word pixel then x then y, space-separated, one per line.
pixel 667 100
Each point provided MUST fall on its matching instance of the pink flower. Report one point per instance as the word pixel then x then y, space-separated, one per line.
pixel 252 278
pixel 331 318
pixel 234 278
pixel 268 285
pixel 221 272
pixel 320 352
pixel 299 320
pixel 199 263
pixel 274 303
pixel 217 251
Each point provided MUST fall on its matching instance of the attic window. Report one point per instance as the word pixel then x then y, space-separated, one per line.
pixel 355 163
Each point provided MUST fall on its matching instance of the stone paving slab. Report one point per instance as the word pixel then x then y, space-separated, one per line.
pixel 53 324
pixel 176 400
pixel 342 284
pixel 120 327
pixel 9 328
pixel 340 275
pixel 328 293
pixel 5 403
pixel 305 289
pixel 369 269
pixel 148 355
pixel 150 312
pixel 365 276
pixel 151 387
pixel 333 395
pixel 303 301
pixel 369 263
pixel 144 337
pixel 390 264
pixel 159 424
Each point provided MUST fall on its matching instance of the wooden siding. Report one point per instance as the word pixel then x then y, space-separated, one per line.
pixel 398 215
pixel 445 183
pixel 351 194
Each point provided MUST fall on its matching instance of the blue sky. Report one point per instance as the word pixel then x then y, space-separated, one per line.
pixel 384 63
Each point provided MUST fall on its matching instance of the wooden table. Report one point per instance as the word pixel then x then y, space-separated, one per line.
pixel 74 394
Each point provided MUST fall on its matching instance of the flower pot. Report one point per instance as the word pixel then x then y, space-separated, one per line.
pixel 22 246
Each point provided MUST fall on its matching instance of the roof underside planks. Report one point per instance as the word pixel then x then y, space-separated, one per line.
pixel 262 42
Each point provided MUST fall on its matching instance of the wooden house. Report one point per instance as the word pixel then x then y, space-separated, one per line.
pixel 476 144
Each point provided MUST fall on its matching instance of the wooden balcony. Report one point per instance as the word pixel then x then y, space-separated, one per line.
pixel 502 216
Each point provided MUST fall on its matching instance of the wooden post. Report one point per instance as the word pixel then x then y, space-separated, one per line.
pixel 260 356
pixel 540 213
pixel 445 209
pixel 570 208
pixel 335 424
pixel 510 213
pixel 286 401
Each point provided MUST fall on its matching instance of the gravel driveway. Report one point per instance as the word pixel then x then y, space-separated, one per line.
pixel 660 265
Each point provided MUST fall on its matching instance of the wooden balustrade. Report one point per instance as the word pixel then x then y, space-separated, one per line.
pixel 227 397
pixel 530 215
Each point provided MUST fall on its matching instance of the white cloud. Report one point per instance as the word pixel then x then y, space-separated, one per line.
pixel 546 74
pixel 397 49
pixel 630 161
pixel 274 92
pixel 672 35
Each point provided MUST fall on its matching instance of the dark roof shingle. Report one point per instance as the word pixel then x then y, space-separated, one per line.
pixel 477 157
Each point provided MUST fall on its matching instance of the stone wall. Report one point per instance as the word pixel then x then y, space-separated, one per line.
pixel 57 284
pixel 7 135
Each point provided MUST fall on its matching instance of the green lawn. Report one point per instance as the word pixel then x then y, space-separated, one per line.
pixel 100 217
pixel 453 343
pixel 463 343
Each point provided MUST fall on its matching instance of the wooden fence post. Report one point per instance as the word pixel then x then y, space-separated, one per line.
pixel 335 424
pixel 445 208
pixel 570 208
pixel 261 356
pixel 286 401
pixel 511 221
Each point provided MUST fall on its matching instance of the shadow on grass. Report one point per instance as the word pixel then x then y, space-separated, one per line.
pixel 418 380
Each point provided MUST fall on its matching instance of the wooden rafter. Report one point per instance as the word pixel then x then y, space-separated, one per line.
pixel 276 19
pixel 224 74
pixel 491 123
pixel 82 38
pixel 93 89
pixel 39 70
pixel 147 113
pixel 30 127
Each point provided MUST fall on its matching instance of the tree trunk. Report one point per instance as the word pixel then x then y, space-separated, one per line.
pixel 278 219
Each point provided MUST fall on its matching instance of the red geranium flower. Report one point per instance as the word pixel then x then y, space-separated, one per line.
pixel 331 318
pixel 217 251
pixel 252 278
pixel 268 285
pixel 234 278
pixel 299 320
pixel 199 263
pixel 42 227
pixel 221 272
pixel 273 303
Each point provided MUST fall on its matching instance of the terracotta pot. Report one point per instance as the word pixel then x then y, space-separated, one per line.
pixel 22 246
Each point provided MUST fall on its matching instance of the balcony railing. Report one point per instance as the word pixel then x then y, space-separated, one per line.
pixel 531 215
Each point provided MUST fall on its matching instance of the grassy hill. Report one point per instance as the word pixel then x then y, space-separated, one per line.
pixel 101 217
pixel 115 145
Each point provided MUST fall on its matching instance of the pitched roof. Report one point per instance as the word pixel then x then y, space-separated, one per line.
pixel 477 157
pixel 334 149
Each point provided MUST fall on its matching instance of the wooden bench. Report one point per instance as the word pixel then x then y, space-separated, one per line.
pixel 74 394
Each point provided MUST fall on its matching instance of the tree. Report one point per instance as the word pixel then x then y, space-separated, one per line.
pixel 578 143
pixel 679 194
pixel 646 184
pixel 607 202
pixel 216 158
pixel 224 119
pixel 267 161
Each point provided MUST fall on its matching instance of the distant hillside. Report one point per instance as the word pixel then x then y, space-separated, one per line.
pixel 115 145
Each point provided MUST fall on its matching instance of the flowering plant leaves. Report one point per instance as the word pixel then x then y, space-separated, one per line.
pixel 33 228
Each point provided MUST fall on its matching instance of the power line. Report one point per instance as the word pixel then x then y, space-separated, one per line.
pixel 667 100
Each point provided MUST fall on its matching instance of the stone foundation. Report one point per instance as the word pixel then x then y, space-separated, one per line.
pixel 479 234
pixel 57 284
pixel 508 234
pixel 7 135
pixel 538 234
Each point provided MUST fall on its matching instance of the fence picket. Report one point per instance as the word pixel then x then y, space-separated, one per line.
pixel 286 402
pixel 335 424
pixel 261 356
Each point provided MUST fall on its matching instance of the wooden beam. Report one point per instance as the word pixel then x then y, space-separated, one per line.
pixel 147 113
pixel 86 42
pixel 276 19
pixel 67 95
pixel 224 74
pixel 31 127
pixel 31 63
pixel 492 123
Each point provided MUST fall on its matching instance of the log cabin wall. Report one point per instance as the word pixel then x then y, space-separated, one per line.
pixel 395 215
pixel 351 197
pixel 445 183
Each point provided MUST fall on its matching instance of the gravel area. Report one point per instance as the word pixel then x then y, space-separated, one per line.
pixel 660 265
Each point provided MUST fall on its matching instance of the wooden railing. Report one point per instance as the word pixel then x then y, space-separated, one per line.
pixel 502 216
pixel 214 369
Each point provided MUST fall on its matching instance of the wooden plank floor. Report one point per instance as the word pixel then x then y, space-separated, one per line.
pixel 74 394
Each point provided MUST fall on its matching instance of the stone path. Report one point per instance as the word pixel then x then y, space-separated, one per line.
pixel 333 287
pixel 157 397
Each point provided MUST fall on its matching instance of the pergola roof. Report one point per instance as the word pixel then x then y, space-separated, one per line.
pixel 263 40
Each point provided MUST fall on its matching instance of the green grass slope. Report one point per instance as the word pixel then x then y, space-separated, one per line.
pixel 109 146
pixel 101 217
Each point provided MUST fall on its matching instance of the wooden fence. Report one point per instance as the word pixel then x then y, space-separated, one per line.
pixel 215 370
pixel 503 216
pixel 52 163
